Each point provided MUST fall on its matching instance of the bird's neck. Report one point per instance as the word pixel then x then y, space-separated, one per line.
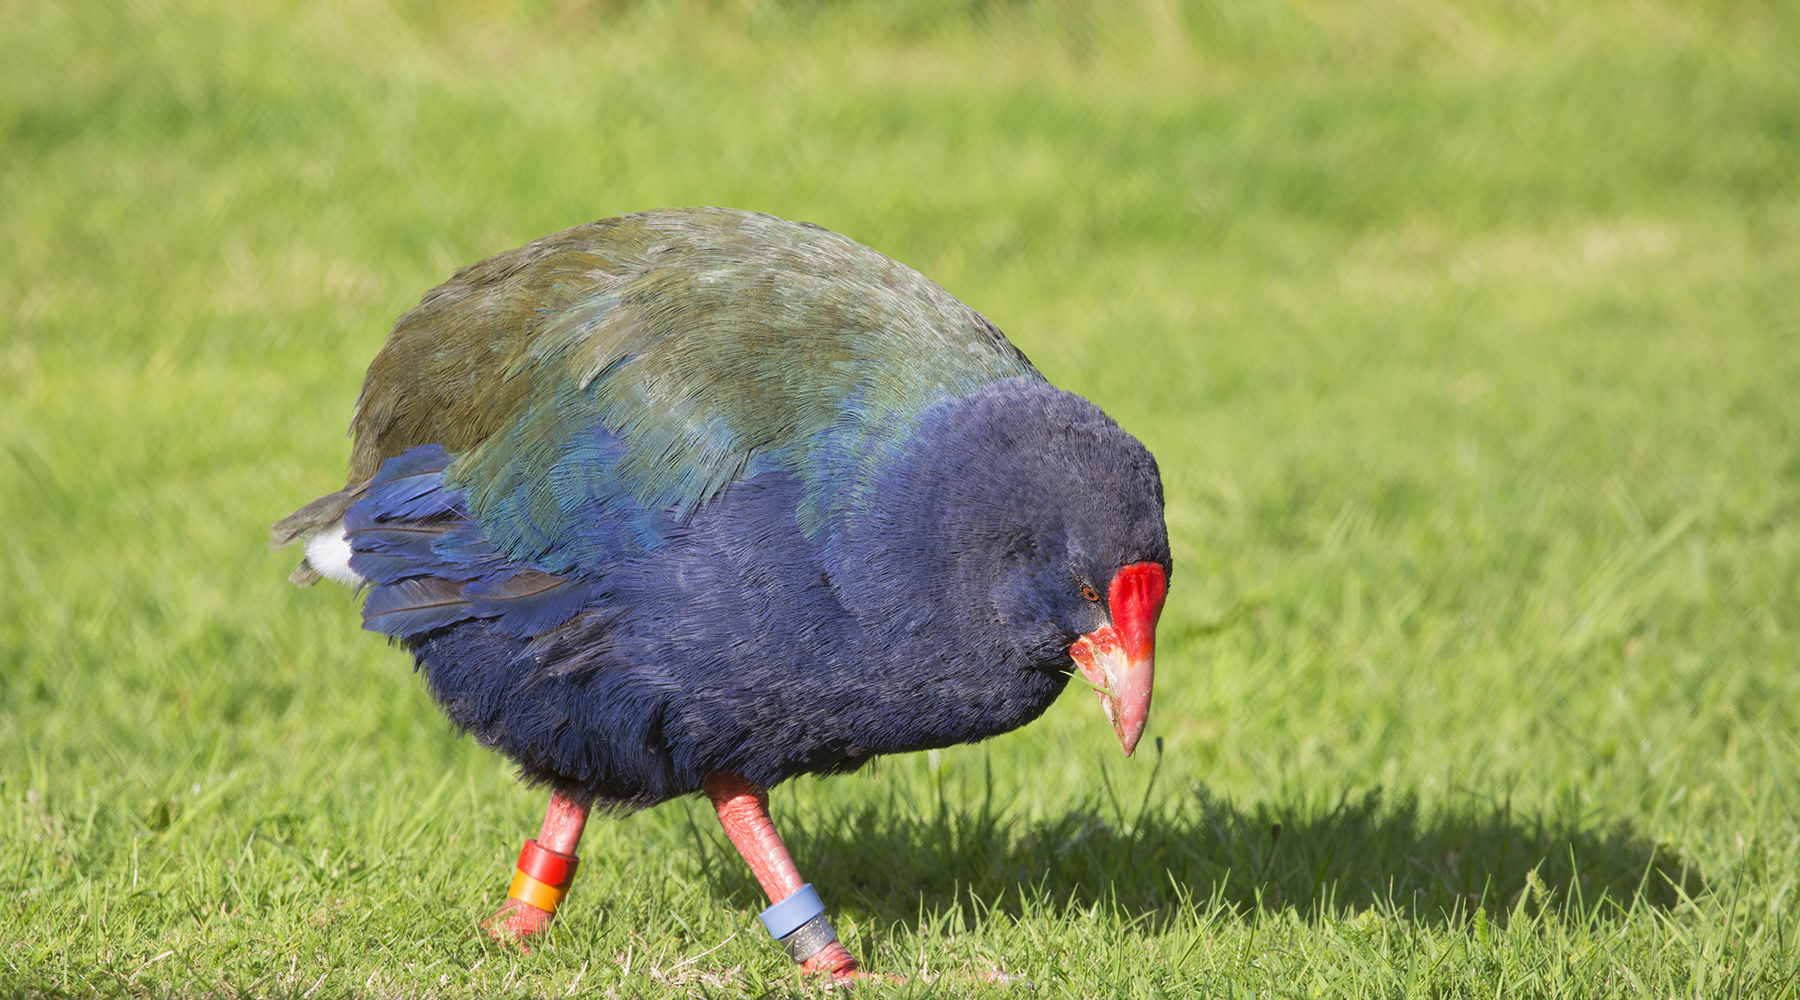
pixel 919 558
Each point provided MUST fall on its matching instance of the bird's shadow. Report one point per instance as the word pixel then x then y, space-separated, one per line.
pixel 900 863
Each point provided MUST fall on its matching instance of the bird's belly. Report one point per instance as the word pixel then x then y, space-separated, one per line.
pixel 633 729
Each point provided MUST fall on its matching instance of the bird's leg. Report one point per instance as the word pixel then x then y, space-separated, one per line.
pixel 744 813
pixel 546 868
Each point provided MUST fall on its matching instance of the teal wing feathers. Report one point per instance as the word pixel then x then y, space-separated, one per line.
pixel 597 385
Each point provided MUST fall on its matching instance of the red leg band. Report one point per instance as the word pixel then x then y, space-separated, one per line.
pixel 547 866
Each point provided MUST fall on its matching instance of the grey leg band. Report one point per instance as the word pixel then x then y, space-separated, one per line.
pixel 809 939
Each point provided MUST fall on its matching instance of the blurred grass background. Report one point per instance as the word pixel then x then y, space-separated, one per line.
pixel 1467 335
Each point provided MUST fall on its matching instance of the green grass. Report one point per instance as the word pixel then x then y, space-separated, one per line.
pixel 1468 338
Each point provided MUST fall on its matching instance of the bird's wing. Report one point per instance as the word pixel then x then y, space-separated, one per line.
pixel 596 386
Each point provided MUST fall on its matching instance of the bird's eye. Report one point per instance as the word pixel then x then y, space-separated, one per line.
pixel 1089 593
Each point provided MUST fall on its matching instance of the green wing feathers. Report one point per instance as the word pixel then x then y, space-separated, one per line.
pixel 643 363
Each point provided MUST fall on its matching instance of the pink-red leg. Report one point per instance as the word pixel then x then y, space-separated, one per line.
pixel 744 813
pixel 561 834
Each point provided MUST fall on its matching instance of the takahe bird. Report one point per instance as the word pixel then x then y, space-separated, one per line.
pixel 701 500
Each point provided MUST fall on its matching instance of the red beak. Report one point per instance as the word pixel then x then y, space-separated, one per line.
pixel 1119 659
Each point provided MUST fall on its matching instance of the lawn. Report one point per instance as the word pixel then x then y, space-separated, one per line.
pixel 1467 336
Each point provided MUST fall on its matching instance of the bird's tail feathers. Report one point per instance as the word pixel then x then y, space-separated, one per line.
pixel 321 515
pixel 430 566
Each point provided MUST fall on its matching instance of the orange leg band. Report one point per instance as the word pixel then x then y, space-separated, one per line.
pixel 531 892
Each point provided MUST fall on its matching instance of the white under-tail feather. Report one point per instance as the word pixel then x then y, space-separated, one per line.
pixel 328 551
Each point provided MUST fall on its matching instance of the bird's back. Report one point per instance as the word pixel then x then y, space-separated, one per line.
pixel 706 345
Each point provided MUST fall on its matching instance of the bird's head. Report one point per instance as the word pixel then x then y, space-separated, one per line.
pixel 1091 569
pixel 1046 520
pixel 1096 614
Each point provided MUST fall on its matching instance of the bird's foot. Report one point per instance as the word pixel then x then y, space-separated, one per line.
pixel 834 959
pixel 517 921
pixel 845 971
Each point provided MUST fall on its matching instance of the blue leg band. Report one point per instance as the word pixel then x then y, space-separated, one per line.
pixel 787 916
